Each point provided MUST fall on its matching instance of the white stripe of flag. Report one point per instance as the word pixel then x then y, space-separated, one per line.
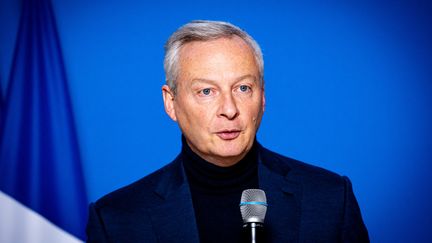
pixel 19 224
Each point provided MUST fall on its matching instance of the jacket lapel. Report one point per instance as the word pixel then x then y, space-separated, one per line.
pixel 283 191
pixel 174 219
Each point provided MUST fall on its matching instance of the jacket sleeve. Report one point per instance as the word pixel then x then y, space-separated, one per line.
pixel 353 228
pixel 95 229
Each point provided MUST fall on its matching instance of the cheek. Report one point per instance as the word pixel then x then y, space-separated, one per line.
pixel 198 117
pixel 256 114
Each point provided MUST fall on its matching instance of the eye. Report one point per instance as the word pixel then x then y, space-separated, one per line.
pixel 244 88
pixel 206 91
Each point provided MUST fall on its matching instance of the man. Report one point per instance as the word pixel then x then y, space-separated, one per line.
pixel 215 92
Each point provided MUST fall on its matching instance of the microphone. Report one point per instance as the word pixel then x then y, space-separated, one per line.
pixel 253 207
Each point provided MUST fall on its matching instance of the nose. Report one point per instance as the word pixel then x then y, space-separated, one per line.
pixel 228 107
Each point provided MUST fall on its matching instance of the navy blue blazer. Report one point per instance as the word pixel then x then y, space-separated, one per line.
pixel 306 204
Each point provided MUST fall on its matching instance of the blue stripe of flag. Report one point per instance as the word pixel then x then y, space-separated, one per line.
pixel 40 163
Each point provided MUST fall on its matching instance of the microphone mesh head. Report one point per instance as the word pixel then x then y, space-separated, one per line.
pixel 253 206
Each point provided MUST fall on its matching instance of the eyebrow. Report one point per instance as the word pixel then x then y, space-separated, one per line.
pixel 209 81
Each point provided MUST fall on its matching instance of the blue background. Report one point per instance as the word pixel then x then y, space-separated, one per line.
pixel 348 85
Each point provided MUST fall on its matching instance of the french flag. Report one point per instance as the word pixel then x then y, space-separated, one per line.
pixel 42 189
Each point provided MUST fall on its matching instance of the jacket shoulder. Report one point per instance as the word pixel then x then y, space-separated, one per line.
pixel 123 215
pixel 305 172
pixel 141 192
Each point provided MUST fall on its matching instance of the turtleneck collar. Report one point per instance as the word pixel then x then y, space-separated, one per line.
pixel 207 177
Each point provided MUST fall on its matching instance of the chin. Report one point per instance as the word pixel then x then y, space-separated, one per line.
pixel 231 151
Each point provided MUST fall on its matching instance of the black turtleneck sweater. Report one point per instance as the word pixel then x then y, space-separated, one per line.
pixel 216 193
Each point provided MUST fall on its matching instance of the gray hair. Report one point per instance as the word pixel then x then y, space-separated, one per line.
pixel 204 30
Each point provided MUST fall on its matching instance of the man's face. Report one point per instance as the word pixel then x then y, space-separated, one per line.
pixel 219 100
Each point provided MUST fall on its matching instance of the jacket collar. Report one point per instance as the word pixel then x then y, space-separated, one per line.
pixel 283 191
pixel 174 218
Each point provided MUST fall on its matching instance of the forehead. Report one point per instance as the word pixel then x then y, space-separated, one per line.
pixel 232 44
pixel 220 56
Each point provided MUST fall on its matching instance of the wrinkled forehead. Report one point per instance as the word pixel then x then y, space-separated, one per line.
pixel 205 45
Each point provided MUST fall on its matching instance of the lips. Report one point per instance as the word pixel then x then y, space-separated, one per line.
pixel 228 134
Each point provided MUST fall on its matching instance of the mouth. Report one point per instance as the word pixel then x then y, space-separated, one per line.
pixel 228 134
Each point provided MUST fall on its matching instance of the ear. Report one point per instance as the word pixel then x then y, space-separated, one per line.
pixel 168 97
pixel 263 101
